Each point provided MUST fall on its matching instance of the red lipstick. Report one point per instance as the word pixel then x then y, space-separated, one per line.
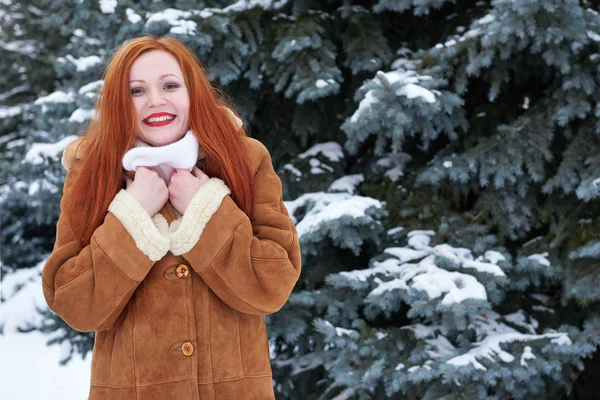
pixel 159 123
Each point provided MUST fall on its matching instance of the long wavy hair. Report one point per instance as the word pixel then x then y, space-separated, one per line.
pixel 114 131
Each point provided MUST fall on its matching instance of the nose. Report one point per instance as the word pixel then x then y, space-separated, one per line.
pixel 156 98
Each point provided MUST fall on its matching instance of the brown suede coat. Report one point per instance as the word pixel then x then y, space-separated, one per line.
pixel 185 326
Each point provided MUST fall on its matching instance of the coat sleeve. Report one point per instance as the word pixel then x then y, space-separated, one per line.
pixel 252 265
pixel 89 287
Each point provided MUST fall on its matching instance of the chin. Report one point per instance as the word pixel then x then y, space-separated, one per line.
pixel 158 140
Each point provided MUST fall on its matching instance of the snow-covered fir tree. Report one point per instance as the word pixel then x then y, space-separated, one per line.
pixel 440 158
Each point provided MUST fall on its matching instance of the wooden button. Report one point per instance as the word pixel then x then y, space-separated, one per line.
pixel 182 270
pixel 187 348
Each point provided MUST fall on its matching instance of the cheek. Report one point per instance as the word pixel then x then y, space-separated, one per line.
pixel 138 105
pixel 184 107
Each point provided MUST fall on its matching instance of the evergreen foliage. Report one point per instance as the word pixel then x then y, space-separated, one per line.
pixel 440 159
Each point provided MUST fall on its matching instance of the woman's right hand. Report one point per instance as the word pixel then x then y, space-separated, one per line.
pixel 149 188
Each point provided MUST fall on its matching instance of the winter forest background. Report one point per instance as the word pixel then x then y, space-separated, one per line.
pixel 441 160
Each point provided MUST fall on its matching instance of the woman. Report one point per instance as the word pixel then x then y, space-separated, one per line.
pixel 174 266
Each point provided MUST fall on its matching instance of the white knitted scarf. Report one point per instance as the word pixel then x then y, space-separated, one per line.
pixel 180 154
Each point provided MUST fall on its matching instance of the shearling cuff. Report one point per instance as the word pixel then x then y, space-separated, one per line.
pixel 149 234
pixel 186 231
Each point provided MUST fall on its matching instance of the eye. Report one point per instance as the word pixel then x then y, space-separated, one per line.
pixel 171 86
pixel 135 91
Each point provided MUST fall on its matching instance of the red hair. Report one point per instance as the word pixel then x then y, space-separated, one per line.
pixel 115 130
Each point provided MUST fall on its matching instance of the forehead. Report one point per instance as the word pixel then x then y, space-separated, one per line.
pixel 152 64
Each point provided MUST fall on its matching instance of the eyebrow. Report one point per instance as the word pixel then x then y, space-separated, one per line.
pixel 161 77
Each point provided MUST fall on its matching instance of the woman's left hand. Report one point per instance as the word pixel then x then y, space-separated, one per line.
pixel 183 185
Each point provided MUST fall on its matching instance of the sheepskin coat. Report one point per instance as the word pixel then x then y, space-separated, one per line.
pixel 178 302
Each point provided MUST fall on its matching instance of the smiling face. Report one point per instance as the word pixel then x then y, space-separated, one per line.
pixel 160 97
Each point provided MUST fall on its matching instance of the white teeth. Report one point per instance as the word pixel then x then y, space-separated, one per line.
pixel 159 119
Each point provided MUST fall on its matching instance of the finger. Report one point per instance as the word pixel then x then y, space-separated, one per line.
pixel 197 172
pixel 128 180
pixel 159 171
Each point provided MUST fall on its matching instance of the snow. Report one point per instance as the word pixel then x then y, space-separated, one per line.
pixel 399 367
pixel 387 267
pixel 420 239
pixel 406 83
pixel 175 18
pixel 38 151
pixel 527 355
pixel 25 47
pixel 426 366
pixel 315 200
pixel 449 286
pixel 7 112
pixel 543 309
pixel 395 230
pixel 380 335
pixel 414 91
pixel 349 207
pixel 316 166
pixel 91 87
pixel 346 183
pixel 457 286
pixel 21 293
pixel 562 339
pixel 487 19
pixel 495 333
pixel 409 87
pixel 540 258
pixel 519 318
pixel 490 347
pixel 107 6
pixel 243 5
pixel 594 36
pixel 44 378
pixel 494 257
pixel 447 164
pixel 331 150
pixel 41 184
pixel 405 254
pixel 132 16
pixel 342 331
pixel 321 83
pixel 364 106
pixel 489 268
pixel 463 257
pixel 50 380
pixel 388 286
pixel 450 43
pixel 54 97
pixel 292 169
pixel 80 115
pixel 82 63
